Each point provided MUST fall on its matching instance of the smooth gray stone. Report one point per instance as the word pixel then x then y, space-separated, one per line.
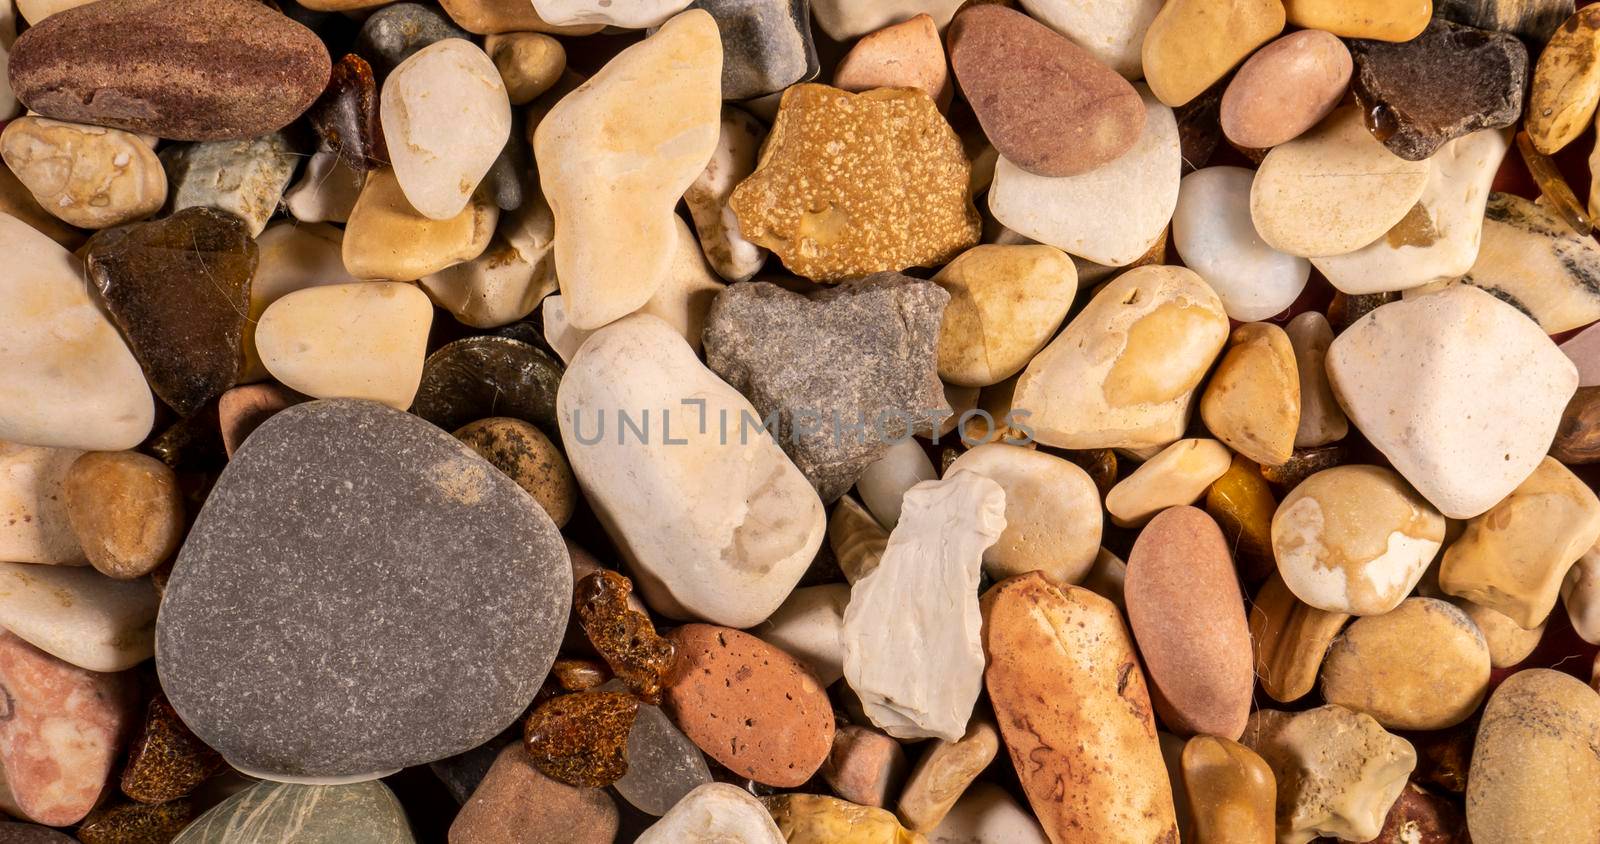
pixel 361 593
pixel 766 45
pixel 395 32
pixel 663 764
pixel 276 813
pixel 27 833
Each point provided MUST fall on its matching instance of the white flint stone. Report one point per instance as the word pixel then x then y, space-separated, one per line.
pixel 913 644
pixel 1211 229
pixel 715 813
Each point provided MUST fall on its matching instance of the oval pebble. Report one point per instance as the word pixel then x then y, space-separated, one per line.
pixel 1421 666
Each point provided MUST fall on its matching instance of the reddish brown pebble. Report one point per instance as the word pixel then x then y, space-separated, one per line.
pixel 623 636
pixel 582 739
pixel 580 675
pixel 1285 89
pixel 749 705
pixel 241 410
pixel 865 767
pixel 1578 437
pixel 1420 817
pixel 346 115
pixel 1187 614
pixel 515 804
pixel 136 823
pixel 166 761
pixel 1046 104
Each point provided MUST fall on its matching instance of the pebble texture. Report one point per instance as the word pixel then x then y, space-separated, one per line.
pixel 325 485
pixel 186 70
pixel 365 813
pixel 1535 774
pixel 88 176
pixel 766 44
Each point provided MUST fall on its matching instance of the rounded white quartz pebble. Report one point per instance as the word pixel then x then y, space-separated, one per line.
pixel 79 615
pixel 359 341
pixel 1052 513
pixel 885 482
pixel 807 628
pixel 1212 231
pixel 446 117
pixel 67 379
pixel 1461 391
pixel 713 813
pixel 986 814
pixel 626 14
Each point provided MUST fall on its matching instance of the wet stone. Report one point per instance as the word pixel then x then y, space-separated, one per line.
pixel 395 32
pixel 624 636
pixel 582 739
pixel 136 823
pixel 479 377
pixel 345 117
pixel 179 289
pixel 166 760
pixel 1447 82
pixel 766 45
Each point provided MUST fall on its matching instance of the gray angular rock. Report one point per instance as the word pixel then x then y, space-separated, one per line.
pixel 766 45
pixel 663 764
pixel 396 31
pixel 245 177
pixel 364 813
pixel 846 371
pixel 360 593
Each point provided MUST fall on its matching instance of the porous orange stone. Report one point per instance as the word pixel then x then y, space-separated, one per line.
pixel 136 823
pixel 1232 793
pixel 623 636
pixel 582 739
pixel 1243 505
pixel 853 184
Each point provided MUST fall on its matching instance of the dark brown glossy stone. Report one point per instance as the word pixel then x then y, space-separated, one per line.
pixel 1534 21
pixel 1304 463
pixel 1553 186
pixel 166 761
pixel 1421 817
pixel 624 636
pixel 1100 463
pixel 1200 126
pixel 479 377
pixel 1445 756
pixel 1578 436
pixel 136 823
pixel 346 115
pixel 185 70
pixel 1345 308
pixel 580 675
pixel 179 289
pixel 582 739
pixel 192 444
pixel 1447 82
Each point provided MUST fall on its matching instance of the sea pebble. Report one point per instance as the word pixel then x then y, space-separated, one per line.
pixel 729 253
pixel 1111 215
pixel 1532 20
pixel 581 739
pixel 399 31
pixel 1290 639
pixel 477 377
pixel 88 176
pixel 509 280
pixel 363 340
pixel 388 239
pixel 766 45
pixel 358 503
pixel 818 819
pixel 1382 20
pixel 33 506
pixel 1321 419
pixel 1112 30
pixel 446 117
pixel 1212 231
pixel 1176 476
pixel 712 814
pixel 1535 775
pixel 1192 43
pixel 844 20
pixel 1422 666
pixel 488 17
pixel 1005 303
pixel 79 615
pixel 1187 616
pixel 865 766
pixel 245 177
pixel 884 483
pixel 530 63
pixel 528 457
pixel 291 257
pixel 8 34
pixel 857 539
pixel 516 803
pixel 614 216
pixel 913 647
pixel 126 511
pixel 346 117
pixel 807 626
pixel 987 814
pixel 1566 83
pixel 944 771
pixel 363 813
pixel 1052 514
pixel 241 410
pixel 908 54
pixel 621 632
pixel 1243 503
pixel 1284 89
pixel 632 14
pixel 185 70
pixel 1231 790
pixel 1252 402
pixel 1508 643
pixel 733 551
pixel 1155 331
pixel 27 833
pixel 1481 442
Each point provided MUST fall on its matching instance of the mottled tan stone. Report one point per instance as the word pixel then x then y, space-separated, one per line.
pixel 1421 666
pixel 1566 83
pixel 1535 776
pixel 88 176
pixel 1252 402
pixel 908 54
pixel 1005 303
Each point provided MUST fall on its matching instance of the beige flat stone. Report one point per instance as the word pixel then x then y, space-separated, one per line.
pixel 88 176
pixel 1252 402
pixel 1321 419
pixel 1005 303
pixel 446 119
pixel 1178 475
pixel 908 54
pixel 1193 43
pixel 1422 666
pixel 1124 371
pixel 1052 512
pixel 362 341
pixel 387 239
pixel 1566 83
pixel 509 280
pixel 807 626
pixel 530 63
pixel 292 257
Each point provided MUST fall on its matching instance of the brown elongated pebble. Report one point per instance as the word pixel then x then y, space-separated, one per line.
pixel 1535 773
pixel 581 739
pixel 944 772
pixel 184 70
pixel 1188 618
pixel 580 675
pixel 1232 793
pixel 126 510
pixel 623 636
pixel 346 116
pixel 1290 638
pixel 749 705
pixel 1072 706
pixel 1578 437
pixel 166 760
pixel 1304 463
pixel 1421 666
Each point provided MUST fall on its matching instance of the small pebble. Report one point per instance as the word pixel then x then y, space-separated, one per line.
pixel 246 177
pixel 1252 402
pixel 1179 474
pixel 166 761
pixel 623 636
pixel 88 176
pixel 516 803
pixel 1232 792
pixel 1212 231
pixel 1286 88
pixel 1421 666
pixel 1005 303
pixel 1322 421
pixel 581 739
pixel 358 341
pixel 34 506
pixel 1053 521
pixel 1566 83
pixel 361 813
pixel 126 511
pixel 713 813
pixel 1290 639
pixel 530 63
pixel 1190 46
pixel 909 54
pixel 865 766
pixel 1534 753
pixel 388 239
pixel 527 456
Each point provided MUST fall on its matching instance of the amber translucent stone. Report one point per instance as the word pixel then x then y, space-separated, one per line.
pixel 582 739
pixel 1304 463
pixel 1290 638
pixel 1578 436
pixel 1243 505
pixel 1232 792
pixel 346 115
pixel 1100 463
pixel 136 823
pixel 1554 186
pixel 166 761
pixel 624 636
pixel 580 675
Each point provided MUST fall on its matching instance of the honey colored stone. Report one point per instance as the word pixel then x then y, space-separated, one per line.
pixel 527 456
pixel 1508 642
pixel 581 739
pixel 1322 421
pixel 624 636
pixel 1123 372
pixel 1514 557
pixel 136 823
pixel 1052 514
pixel 1178 475
pixel 388 239
pixel 853 184
pixel 1252 402
pixel 1290 638
pixel 346 116
pixel 1072 706
pixel 126 510
pixel 1535 774
pixel 1232 793
pixel 1421 666
pixel 1355 539
pixel 944 772
pixel 88 176
pixel 166 761
pixel 1243 504
pixel 1046 104
pixel 530 63
pixel 359 341
pixel 1566 83
pixel 856 538
pixel 293 256
pixel 816 819
pixel 1553 188
pixel 1193 43
pixel 1578 438
pixel 1338 771
pixel 908 54
pixel 1284 89
pixel 1005 303
pixel 1380 20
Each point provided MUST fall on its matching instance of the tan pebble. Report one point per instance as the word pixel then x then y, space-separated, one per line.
pixel 1421 666
pixel 1193 43
pixel 1380 20
pixel 865 766
pixel 944 772
pixel 1232 793
pixel 1535 775
pixel 489 17
pixel 1338 771
pixel 293 256
pixel 126 510
pixel 1321 419
pixel 1053 517
pixel 816 819
pixel 1508 642
pixel 1580 593
pixel 1286 88
pixel 1290 639
pixel 1252 402
pixel 1566 83
pixel 856 538
pixel 1005 303
pixel 88 176
pixel 1513 558
pixel 33 508
pixel 361 341
pixel 530 63
pixel 17 201
pixel 908 54
pixel 387 239
pixel 1178 475
pixel 528 457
